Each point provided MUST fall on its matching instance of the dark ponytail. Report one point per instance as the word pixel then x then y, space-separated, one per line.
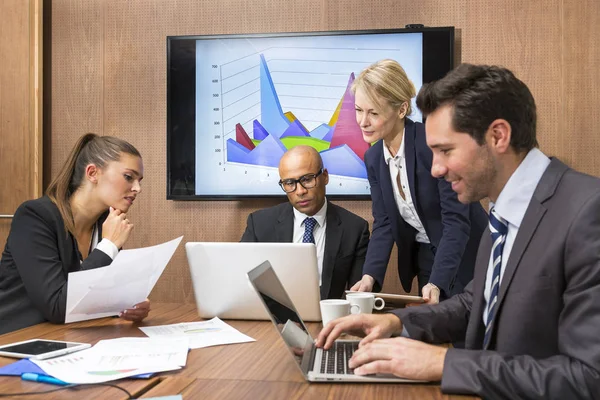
pixel 89 149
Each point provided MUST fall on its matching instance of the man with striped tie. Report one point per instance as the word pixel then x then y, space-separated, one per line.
pixel 530 317
pixel 341 237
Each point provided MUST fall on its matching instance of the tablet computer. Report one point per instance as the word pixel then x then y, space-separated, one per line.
pixel 396 299
pixel 40 349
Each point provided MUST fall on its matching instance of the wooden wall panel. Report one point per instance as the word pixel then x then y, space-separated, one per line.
pixel 14 107
pixel 525 37
pixel 20 107
pixel 109 75
pixel 77 65
pixel 579 138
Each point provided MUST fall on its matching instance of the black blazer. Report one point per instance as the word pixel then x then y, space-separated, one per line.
pixel 453 228
pixel 38 256
pixel 346 241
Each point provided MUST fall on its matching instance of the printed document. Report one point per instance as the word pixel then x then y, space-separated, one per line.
pixel 128 280
pixel 118 358
pixel 200 334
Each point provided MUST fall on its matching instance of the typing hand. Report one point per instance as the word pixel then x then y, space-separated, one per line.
pixel 400 356
pixel 364 285
pixel 371 326
pixel 137 313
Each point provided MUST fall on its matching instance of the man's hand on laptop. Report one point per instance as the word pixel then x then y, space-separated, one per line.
pixel 403 357
pixel 371 326
pixel 364 285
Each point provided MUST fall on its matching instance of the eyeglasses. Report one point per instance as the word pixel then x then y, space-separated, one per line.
pixel 307 181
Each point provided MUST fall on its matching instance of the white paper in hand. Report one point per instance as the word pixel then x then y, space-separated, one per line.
pixel 128 280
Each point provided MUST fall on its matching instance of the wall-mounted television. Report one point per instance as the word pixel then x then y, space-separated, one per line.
pixel 236 103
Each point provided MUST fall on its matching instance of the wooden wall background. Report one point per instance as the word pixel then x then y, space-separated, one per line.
pixel 106 73
pixel 20 107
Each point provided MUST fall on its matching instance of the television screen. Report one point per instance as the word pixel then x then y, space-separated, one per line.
pixel 236 103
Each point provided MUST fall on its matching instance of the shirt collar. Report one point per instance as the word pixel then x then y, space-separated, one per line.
pixel 514 198
pixel 319 216
pixel 387 156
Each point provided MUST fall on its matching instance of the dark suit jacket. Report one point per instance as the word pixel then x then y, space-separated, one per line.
pixel 35 264
pixel 346 240
pixel 546 330
pixel 454 229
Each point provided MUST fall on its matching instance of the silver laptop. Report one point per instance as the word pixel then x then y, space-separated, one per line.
pixel 316 364
pixel 221 286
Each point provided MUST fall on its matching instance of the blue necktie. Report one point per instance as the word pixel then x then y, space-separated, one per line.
pixel 498 229
pixel 309 226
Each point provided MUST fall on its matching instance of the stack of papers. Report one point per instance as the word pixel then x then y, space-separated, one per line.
pixel 200 334
pixel 118 358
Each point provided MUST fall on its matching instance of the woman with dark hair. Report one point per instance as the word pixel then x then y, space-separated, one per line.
pixel 437 236
pixel 80 224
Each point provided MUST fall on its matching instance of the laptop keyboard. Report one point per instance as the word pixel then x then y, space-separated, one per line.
pixel 335 360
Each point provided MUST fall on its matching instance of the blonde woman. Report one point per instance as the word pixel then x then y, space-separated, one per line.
pixel 80 224
pixel 437 236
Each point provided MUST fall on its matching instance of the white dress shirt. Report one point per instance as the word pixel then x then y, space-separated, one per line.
pixel 318 232
pixel 407 209
pixel 511 205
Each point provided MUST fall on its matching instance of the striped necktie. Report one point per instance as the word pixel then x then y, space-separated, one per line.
pixel 309 226
pixel 498 229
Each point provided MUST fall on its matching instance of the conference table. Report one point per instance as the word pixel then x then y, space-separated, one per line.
pixel 258 370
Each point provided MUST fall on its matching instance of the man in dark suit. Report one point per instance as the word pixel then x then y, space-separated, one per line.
pixel 531 315
pixel 341 238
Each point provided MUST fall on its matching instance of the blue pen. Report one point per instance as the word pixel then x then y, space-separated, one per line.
pixel 30 376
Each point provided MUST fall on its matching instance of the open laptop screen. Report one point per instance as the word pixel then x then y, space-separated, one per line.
pixel 281 310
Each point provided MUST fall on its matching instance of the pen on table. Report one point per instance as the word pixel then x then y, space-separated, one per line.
pixel 30 376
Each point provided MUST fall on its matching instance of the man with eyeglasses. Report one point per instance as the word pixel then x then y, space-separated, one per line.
pixel 340 236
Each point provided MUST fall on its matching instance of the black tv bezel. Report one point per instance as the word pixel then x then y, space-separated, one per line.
pixel 435 49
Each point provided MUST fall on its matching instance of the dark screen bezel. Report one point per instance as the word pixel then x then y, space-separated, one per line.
pixel 438 59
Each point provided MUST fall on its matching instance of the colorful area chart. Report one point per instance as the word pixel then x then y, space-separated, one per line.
pixel 339 141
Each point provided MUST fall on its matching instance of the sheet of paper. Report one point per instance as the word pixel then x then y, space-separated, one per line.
pixel 118 358
pixel 128 280
pixel 200 334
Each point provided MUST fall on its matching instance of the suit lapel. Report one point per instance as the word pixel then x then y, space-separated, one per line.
pixel 531 220
pixel 387 191
pixel 534 214
pixel 483 257
pixel 285 226
pixel 333 238
pixel 409 156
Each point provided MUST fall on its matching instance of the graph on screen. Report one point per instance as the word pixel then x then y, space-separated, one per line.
pixel 257 98
pixel 339 141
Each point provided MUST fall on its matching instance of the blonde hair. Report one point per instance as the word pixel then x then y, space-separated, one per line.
pixel 89 149
pixel 386 80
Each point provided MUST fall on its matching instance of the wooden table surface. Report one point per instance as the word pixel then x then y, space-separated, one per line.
pixel 261 369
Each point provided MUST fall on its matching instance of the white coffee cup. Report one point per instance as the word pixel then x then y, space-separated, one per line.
pixel 366 301
pixel 336 308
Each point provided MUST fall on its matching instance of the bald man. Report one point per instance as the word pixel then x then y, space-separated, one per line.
pixel 341 237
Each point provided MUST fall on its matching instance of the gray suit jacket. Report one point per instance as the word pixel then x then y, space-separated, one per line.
pixel 546 332
pixel 346 241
